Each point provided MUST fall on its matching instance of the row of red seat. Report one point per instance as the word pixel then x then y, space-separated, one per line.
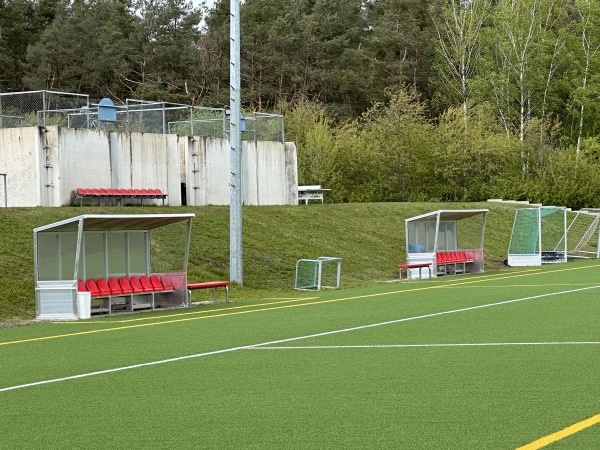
pixel 124 286
pixel 452 257
pixel 110 192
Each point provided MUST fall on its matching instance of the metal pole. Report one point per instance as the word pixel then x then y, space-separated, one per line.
pixel 3 175
pixel 235 142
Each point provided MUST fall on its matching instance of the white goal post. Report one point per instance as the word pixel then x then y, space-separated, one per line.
pixel 583 234
pixel 315 274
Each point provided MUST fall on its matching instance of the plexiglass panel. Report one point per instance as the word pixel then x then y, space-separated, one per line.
pixel 137 251
pixel 48 256
pixel 68 249
pixel 94 255
pixel 117 254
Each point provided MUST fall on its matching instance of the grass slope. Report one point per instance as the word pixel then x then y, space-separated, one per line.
pixel 370 239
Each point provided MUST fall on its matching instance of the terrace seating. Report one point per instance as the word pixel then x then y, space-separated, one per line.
pixel 134 292
pixel 119 194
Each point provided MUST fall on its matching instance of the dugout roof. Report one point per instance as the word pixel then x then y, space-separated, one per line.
pixel 447 214
pixel 104 222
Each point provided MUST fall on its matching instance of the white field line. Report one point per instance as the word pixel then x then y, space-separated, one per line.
pixel 477 344
pixel 281 341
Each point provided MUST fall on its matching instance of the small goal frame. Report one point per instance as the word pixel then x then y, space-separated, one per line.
pixel 315 275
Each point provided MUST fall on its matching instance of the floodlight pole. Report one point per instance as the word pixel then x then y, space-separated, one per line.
pixel 235 142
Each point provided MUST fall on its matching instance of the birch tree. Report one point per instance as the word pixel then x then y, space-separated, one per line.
pixel 458 28
pixel 588 61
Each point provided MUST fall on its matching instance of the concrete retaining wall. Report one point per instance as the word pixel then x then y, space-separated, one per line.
pixel 44 165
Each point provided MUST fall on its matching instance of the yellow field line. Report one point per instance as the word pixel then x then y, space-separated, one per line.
pixel 192 313
pixel 565 432
pixel 165 322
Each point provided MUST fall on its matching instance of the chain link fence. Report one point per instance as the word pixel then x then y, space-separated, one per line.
pixel 21 109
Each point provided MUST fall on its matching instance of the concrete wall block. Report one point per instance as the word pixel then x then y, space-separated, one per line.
pixel 46 164
pixel 84 160
pixel 19 160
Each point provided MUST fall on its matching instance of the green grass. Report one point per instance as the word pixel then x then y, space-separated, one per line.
pixel 487 361
pixel 368 237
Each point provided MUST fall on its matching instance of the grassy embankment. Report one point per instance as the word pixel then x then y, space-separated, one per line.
pixel 370 239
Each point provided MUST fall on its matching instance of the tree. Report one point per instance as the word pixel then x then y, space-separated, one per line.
pixel 83 49
pixel 18 30
pixel 458 27
pixel 585 51
pixel 165 43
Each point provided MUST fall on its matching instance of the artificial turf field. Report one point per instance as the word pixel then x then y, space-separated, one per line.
pixel 498 360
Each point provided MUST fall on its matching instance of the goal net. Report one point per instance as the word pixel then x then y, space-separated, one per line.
pixel 583 234
pixel 538 236
pixel 315 274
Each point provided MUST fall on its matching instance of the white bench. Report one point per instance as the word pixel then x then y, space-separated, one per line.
pixel 307 193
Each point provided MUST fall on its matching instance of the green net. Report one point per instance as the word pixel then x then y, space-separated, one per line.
pixel 525 232
pixel 307 274
pixel 539 231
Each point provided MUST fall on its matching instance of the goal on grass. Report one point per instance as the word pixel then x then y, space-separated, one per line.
pixel 583 234
pixel 539 235
pixel 314 274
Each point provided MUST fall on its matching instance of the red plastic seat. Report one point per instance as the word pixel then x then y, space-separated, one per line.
pixel 136 285
pixel 146 284
pixel 115 287
pixel 167 283
pixel 81 286
pixel 126 286
pixel 146 192
pixel 465 258
pixel 103 287
pixel 156 283
pixel 103 192
pixel 92 287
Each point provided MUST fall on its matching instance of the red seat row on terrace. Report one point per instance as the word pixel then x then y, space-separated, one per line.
pixel 119 194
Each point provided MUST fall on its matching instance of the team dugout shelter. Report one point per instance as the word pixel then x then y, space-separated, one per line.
pixel 450 240
pixel 113 257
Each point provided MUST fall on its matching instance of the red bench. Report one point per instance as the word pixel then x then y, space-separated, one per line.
pixel 119 194
pixel 419 266
pixel 208 285
pixel 108 289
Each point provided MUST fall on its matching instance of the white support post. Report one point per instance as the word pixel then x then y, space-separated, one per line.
pixel 235 206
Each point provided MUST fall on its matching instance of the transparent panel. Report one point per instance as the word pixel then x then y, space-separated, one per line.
pixel 68 249
pixel 47 257
pixel 450 235
pixel 117 254
pixel 442 244
pixel 429 229
pixel 168 247
pixel 94 255
pixel 421 237
pixel 137 252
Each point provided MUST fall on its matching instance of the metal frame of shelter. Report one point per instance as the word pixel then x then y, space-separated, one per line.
pixel 100 246
pixel 439 231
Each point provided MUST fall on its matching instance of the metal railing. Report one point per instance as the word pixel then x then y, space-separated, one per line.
pixel 43 108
